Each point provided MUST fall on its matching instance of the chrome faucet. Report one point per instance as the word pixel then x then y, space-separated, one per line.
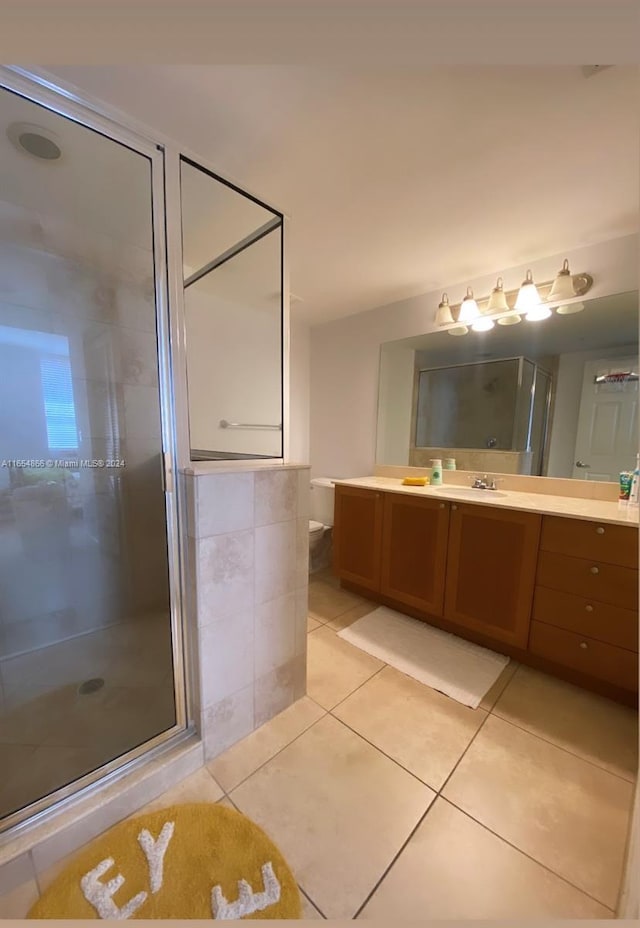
pixel 483 483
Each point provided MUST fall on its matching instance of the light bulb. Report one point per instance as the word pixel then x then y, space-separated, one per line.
pixel 469 308
pixel 537 313
pixel 528 295
pixel 482 324
pixel 458 330
pixel 562 288
pixel 511 319
pixel 443 315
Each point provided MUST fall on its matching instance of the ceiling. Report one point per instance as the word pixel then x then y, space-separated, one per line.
pixel 402 182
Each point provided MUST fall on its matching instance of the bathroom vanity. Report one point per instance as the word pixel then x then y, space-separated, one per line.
pixel 550 581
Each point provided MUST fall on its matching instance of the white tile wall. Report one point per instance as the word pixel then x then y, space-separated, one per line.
pixel 248 580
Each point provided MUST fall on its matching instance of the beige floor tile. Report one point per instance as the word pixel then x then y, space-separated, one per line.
pixel 584 723
pixel 420 728
pixel 491 697
pixel 200 786
pixel 338 809
pixel 309 910
pixel 325 575
pixel 335 668
pixel 326 602
pixel 312 624
pixel 241 760
pixel 17 902
pixel 352 615
pixel 452 867
pixel 566 813
pixel 226 802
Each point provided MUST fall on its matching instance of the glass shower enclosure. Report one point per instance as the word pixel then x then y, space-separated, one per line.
pixel 90 648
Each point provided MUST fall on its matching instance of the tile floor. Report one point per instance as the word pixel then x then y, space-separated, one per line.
pixel 390 800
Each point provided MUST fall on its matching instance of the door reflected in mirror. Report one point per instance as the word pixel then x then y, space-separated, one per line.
pixel 555 398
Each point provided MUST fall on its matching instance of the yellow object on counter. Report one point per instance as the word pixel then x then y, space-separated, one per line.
pixel 415 481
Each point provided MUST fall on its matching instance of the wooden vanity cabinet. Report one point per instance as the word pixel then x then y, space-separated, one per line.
pixel 357 536
pixel 491 571
pixel 414 551
pixel 555 592
pixel 585 614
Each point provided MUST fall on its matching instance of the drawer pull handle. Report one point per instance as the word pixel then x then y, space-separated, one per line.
pixel 588 608
pixel 594 570
pixel 584 645
pixel 599 530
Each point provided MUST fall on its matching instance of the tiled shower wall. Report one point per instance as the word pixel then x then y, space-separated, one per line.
pixel 247 579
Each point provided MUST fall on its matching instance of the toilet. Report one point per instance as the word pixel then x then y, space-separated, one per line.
pixel 320 523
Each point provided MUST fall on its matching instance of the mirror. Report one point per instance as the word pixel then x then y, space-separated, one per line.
pixel 232 253
pixel 555 398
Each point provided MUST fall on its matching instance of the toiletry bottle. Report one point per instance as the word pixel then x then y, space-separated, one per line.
pixel 626 479
pixel 634 492
pixel 436 472
pixel 449 463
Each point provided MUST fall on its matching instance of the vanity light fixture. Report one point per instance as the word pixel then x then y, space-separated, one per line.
pixel 443 316
pixel 483 324
pixel 498 304
pixel 528 296
pixel 569 308
pixel 469 310
pixel 529 301
pixel 562 288
pixel 532 301
pixel 498 301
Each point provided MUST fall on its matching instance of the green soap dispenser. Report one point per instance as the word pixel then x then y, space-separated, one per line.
pixel 436 472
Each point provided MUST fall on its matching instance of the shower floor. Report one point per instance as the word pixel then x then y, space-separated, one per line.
pixel 51 733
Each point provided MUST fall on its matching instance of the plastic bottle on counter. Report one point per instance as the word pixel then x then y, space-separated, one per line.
pixel 436 472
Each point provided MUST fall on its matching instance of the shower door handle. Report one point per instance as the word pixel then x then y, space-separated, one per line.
pixel 167 473
pixel 581 464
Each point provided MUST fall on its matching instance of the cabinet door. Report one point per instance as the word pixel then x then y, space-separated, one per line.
pixel 491 571
pixel 414 551
pixel 357 536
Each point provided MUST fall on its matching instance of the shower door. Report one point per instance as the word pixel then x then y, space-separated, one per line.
pixel 89 651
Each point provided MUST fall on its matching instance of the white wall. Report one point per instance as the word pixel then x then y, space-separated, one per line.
pixel 299 390
pixel 568 388
pixel 345 353
pixel 234 373
pixel 395 398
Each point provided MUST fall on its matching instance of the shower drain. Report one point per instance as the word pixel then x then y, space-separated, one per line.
pixel 90 686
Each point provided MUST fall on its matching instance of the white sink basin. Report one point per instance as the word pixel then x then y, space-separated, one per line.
pixel 472 492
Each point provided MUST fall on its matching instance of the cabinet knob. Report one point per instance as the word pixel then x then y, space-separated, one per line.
pixel 599 530
pixel 441 505
pixel 588 608
pixel 584 645
pixel 594 570
pixel 453 506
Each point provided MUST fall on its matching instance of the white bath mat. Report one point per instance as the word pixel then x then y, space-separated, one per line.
pixel 457 668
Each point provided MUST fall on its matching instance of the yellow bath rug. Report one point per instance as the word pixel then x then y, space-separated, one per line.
pixel 188 861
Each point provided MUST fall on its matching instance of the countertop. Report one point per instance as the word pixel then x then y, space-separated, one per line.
pixel 592 510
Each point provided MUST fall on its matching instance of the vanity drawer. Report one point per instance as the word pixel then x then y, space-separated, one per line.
pixel 588 617
pixel 593 658
pixel 592 579
pixel 609 544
